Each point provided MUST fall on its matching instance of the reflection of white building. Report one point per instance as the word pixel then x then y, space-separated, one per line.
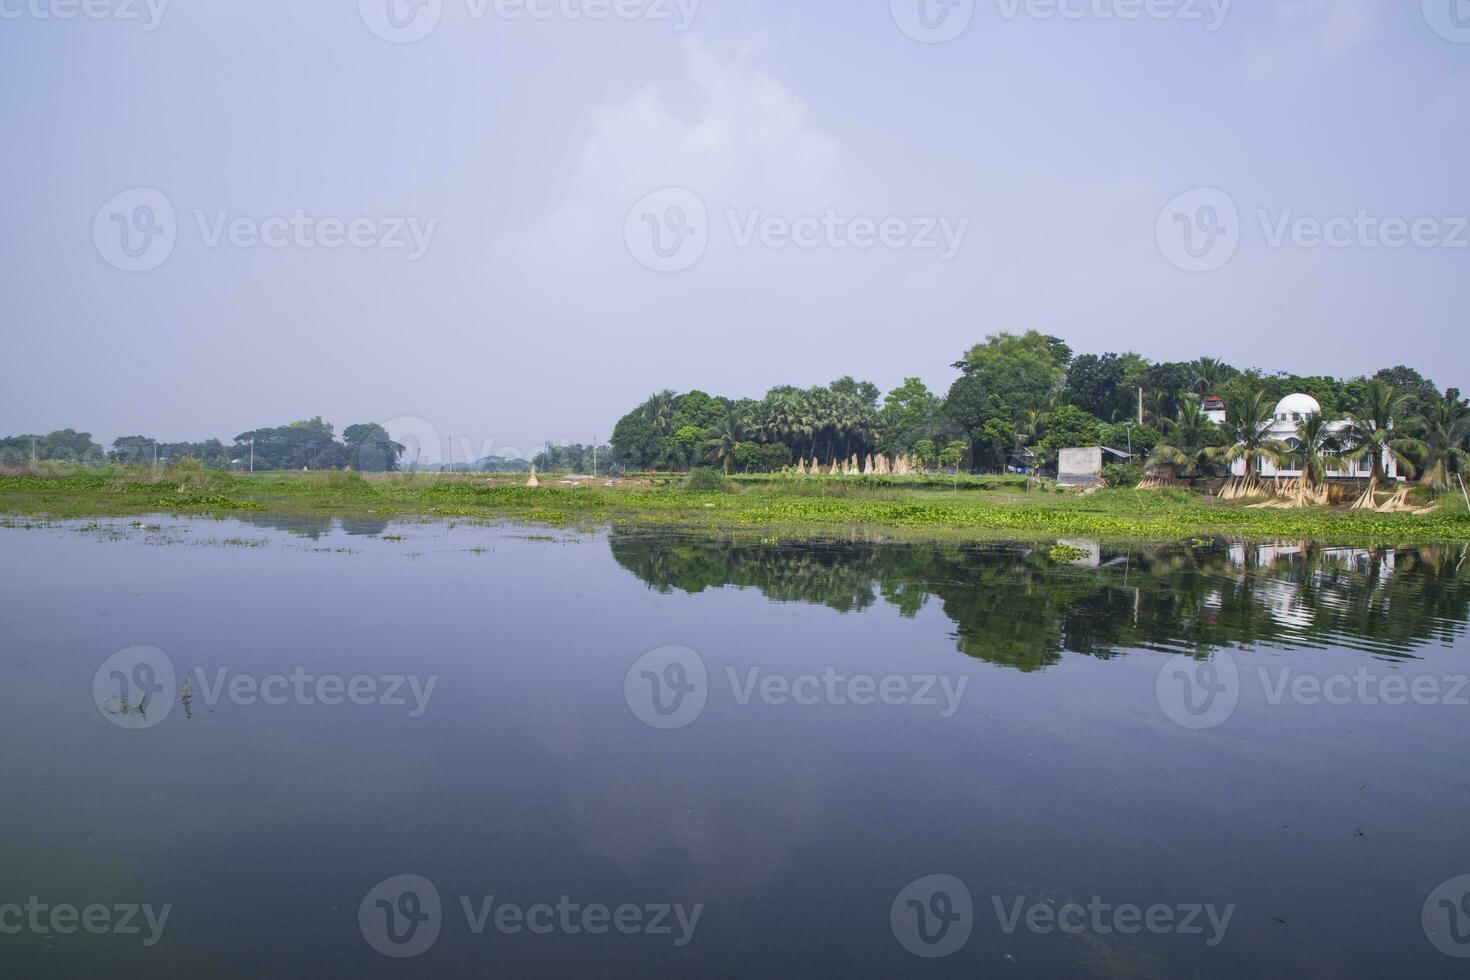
pixel 1291 412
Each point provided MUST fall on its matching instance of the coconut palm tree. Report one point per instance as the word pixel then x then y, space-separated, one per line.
pixel 1248 423
pixel 1444 432
pixel 1209 374
pixel 659 411
pixel 727 437
pixel 1373 431
pixel 1319 448
pixel 1191 439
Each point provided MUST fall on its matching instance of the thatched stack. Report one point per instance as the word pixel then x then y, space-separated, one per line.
pixel 533 482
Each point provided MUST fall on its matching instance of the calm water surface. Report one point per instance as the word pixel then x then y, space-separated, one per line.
pixel 647 754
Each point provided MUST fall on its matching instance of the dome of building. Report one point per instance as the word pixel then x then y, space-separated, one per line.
pixel 1296 407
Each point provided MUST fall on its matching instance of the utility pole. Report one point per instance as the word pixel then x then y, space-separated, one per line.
pixel 594 455
pixel 1140 405
pixel 155 455
pixel 252 454
pixel 33 449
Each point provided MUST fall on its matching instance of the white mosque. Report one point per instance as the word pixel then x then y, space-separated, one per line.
pixel 1290 412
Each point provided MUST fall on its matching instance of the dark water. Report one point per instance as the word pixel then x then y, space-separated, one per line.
pixel 724 760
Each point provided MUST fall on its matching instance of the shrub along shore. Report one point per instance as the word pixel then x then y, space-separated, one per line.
pixel 913 507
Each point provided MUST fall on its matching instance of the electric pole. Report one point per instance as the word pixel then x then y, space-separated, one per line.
pixel 252 454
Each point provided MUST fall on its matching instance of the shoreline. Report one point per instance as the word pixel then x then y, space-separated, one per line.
pixel 817 509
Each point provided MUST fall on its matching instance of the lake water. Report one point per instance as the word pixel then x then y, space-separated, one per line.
pixel 359 750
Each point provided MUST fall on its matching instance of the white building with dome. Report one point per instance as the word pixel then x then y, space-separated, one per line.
pixel 1290 412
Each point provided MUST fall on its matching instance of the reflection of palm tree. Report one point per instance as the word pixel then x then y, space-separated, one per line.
pixel 1444 432
pixel 1373 432
pixel 1248 425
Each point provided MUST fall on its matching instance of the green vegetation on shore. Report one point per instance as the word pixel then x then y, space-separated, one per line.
pixel 971 507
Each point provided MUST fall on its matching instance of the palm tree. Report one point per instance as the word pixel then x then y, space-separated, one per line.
pixel 1191 437
pixel 1248 427
pixel 727 438
pixel 1209 374
pixel 1444 432
pixel 659 411
pixel 1373 431
pixel 1319 447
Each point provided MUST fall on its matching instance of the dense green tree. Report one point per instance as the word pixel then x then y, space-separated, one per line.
pixel 370 449
pixel 1444 433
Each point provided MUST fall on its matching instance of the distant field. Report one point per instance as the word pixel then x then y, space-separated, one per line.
pixel 970 507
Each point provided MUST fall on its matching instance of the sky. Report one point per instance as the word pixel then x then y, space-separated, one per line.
pixel 489 224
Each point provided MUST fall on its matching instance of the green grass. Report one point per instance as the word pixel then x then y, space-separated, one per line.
pixel 999 508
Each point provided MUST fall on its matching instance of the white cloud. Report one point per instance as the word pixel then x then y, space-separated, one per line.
pixel 747 144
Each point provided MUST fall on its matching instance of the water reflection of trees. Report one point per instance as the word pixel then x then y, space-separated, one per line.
pixel 1015 605
pixel 315 526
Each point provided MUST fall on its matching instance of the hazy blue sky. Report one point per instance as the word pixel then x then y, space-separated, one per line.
pixel 519 147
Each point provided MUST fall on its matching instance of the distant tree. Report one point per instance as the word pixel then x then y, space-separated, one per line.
pixel 370 449
pixel 1069 428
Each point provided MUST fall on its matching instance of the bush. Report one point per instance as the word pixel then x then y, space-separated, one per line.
pixel 1125 475
pixel 706 480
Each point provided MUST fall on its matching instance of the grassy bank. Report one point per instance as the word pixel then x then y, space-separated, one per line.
pixel 974 507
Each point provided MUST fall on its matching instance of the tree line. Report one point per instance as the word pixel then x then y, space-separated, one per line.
pixel 311 444
pixel 1022 398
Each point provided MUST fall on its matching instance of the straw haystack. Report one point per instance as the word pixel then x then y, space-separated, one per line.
pixel 533 482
